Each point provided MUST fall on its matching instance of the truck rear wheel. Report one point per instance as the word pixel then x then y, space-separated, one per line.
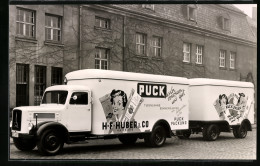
pixel 240 132
pixel 50 142
pixel 211 132
pixel 24 144
pixel 156 138
pixel 127 139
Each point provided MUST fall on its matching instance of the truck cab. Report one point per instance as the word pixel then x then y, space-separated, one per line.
pixel 64 109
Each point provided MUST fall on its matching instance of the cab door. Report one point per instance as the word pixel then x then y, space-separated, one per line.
pixel 79 112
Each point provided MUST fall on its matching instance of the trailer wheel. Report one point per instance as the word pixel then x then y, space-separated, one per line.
pixel 156 138
pixel 24 144
pixel 127 139
pixel 50 142
pixel 184 134
pixel 240 132
pixel 211 132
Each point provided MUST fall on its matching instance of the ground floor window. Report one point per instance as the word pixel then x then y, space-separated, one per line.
pixel 22 85
pixel 40 83
pixel 101 58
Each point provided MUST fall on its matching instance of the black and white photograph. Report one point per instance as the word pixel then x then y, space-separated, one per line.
pixel 132 81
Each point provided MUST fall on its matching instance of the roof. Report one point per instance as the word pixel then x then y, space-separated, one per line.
pixel 119 75
pixel 216 82
pixel 67 87
pixel 207 17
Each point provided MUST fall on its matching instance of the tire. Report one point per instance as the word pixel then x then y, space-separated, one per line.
pixel 156 138
pixel 211 132
pixel 240 132
pixel 184 134
pixel 24 144
pixel 127 139
pixel 50 142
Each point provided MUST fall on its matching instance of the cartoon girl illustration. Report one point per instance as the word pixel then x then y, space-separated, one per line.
pixel 223 101
pixel 118 100
pixel 242 100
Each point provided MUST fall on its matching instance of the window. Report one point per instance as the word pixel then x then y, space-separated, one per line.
pixel 148 6
pixel 199 54
pixel 56 76
pixel 40 83
pixel 140 44
pixel 102 23
pixel 25 23
pixel 192 12
pixel 22 85
pixel 53 28
pixel 101 58
pixel 222 58
pixel 186 52
pixel 55 97
pixel 157 46
pixel 232 60
pixel 79 98
pixel 225 22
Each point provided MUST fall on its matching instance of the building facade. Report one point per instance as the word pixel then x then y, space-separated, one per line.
pixel 187 40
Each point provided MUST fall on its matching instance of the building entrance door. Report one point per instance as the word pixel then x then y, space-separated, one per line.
pixel 22 85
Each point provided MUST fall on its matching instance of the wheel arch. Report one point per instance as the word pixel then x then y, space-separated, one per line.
pixel 166 125
pixel 52 125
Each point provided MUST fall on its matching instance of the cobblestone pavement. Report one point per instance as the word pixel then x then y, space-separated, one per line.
pixel 225 148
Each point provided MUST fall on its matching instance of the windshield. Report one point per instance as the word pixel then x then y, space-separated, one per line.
pixel 55 97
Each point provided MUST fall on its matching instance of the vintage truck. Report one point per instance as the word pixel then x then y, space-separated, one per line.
pixel 100 104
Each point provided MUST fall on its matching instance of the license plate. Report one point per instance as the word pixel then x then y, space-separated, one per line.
pixel 14 134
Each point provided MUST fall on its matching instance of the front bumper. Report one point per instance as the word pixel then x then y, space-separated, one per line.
pixel 21 135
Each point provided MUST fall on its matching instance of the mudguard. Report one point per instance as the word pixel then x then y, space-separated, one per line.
pixel 41 127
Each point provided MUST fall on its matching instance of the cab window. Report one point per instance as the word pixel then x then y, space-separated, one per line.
pixel 79 98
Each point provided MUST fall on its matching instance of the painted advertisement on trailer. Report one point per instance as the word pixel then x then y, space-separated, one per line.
pixel 233 107
pixel 132 107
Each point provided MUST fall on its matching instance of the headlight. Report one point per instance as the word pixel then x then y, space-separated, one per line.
pixel 11 124
pixel 30 126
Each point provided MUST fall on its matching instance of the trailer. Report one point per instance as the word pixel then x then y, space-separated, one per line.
pixel 219 106
pixel 100 104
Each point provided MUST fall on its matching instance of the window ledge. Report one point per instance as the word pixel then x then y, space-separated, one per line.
pixel 102 29
pixel 25 39
pixel 53 43
pixel 186 63
pixel 141 56
pixel 199 65
pixel 157 58
pixel 222 68
pixel 232 69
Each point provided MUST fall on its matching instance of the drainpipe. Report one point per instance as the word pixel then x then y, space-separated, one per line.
pixel 79 38
pixel 124 22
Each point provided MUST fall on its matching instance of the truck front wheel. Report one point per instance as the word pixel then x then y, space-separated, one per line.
pixel 24 144
pixel 240 132
pixel 50 142
pixel 156 138
pixel 127 139
pixel 211 132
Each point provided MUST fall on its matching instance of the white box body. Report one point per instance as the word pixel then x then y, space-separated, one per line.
pixel 218 100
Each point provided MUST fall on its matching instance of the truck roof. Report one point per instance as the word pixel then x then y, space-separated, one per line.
pixel 119 75
pixel 217 82
pixel 68 87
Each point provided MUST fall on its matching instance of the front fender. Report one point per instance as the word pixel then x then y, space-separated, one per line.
pixel 52 125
